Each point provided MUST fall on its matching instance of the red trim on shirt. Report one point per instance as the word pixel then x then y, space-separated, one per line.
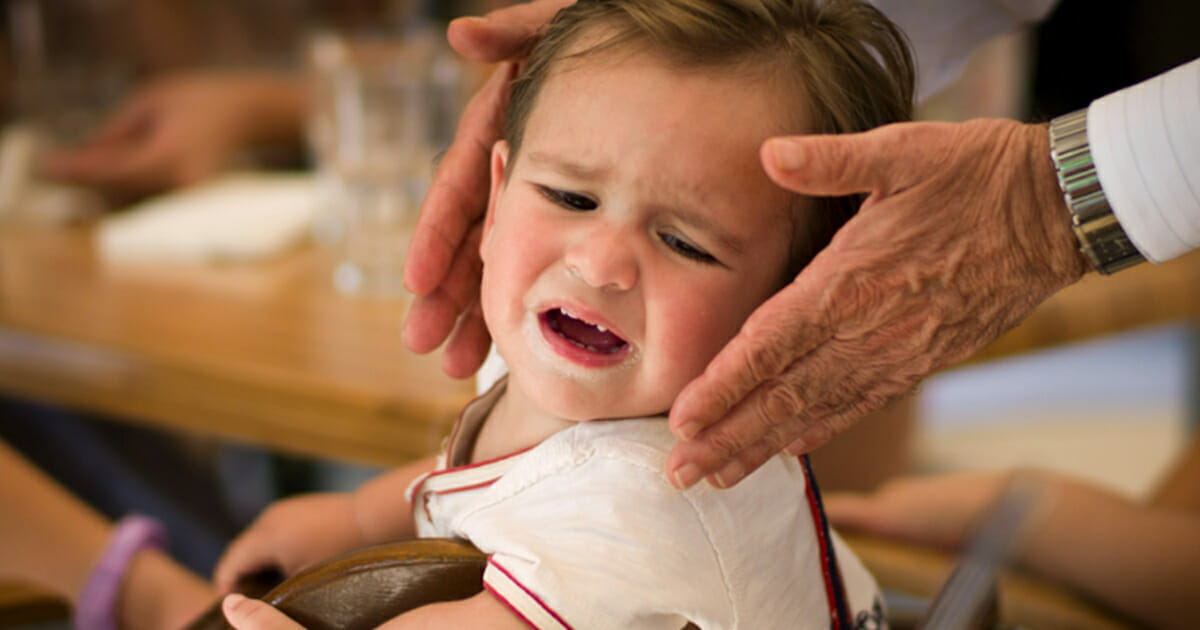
pixel 509 605
pixel 535 598
pixel 450 469
pixel 822 544
pixel 480 484
pixel 474 486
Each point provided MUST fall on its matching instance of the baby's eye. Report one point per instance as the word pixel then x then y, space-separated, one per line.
pixel 568 200
pixel 686 249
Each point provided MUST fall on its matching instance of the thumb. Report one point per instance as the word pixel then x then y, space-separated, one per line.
pixel 840 164
pixel 244 613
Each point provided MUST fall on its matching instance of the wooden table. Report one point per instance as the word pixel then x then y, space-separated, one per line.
pixel 268 353
pixel 272 354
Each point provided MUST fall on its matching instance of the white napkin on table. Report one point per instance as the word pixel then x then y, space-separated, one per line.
pixel 237 217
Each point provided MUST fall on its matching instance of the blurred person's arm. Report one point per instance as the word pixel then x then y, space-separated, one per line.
pixel 50 538
pixel 183 129
pixel 1138 558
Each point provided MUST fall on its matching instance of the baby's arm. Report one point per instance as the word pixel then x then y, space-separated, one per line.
pixel 479 611
pixel 300 531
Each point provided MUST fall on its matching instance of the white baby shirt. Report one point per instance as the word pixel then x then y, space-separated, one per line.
pixel 584 531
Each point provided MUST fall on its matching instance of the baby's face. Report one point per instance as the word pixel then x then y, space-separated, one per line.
pixel 634 234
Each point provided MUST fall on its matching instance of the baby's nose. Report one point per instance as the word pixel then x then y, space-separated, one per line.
pixel 604 259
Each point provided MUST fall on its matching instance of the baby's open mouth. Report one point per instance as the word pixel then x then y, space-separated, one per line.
pixel 590 337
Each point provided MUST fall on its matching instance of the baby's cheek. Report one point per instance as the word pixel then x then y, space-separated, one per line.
pixel 693 342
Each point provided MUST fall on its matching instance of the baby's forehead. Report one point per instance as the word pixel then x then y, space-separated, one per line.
pixel 791 111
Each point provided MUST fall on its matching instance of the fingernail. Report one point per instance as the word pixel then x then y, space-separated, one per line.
pixel 788 157
pixel 728 476
pixel 686 476
pixel 232 600
pixel 687 431
pixel 479 19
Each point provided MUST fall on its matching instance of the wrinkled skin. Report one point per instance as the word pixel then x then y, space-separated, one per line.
pixel 964 232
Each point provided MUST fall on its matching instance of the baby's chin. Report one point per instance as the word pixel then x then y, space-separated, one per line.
pixel 587 405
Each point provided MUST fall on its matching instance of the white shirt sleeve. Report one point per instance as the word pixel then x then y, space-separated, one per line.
pixel 1145 143
pixel 945 32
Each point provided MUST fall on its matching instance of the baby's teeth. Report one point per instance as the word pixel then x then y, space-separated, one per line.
pixel 601 328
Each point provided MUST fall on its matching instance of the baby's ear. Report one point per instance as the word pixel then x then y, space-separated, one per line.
pixel 499 164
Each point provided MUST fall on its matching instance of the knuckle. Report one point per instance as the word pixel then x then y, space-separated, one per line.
pixel 722 398
pixel 819 432
pixel 856 294
pixel 753 459
pixel 761 361
pixel 726 444
pixel 764 357
pixel 781 402
pixel 772 442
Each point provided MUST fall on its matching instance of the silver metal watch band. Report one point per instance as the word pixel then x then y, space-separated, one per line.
pixel 1101 237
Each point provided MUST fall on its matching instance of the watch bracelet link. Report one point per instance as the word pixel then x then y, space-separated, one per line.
pixel 1101 237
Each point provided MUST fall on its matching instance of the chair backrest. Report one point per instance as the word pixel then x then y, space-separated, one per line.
pixel 365 588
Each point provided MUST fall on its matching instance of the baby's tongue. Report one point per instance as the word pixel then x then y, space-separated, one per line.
pixel 586 334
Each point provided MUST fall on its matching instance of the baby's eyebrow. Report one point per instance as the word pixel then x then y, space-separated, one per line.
pixel 567 167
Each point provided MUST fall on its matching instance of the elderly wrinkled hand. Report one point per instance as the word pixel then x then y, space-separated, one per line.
pixel 964 231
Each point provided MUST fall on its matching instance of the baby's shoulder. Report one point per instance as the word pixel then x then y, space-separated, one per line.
pixel 626 459
pixel 635 447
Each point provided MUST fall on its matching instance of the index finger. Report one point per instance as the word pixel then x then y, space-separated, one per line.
pixel 241 558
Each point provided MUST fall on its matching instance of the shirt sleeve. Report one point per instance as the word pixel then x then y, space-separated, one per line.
pixel 1145 143
pixel 944 33
pixel 607 544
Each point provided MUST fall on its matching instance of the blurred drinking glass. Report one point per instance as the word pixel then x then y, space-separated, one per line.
pixel 383 106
